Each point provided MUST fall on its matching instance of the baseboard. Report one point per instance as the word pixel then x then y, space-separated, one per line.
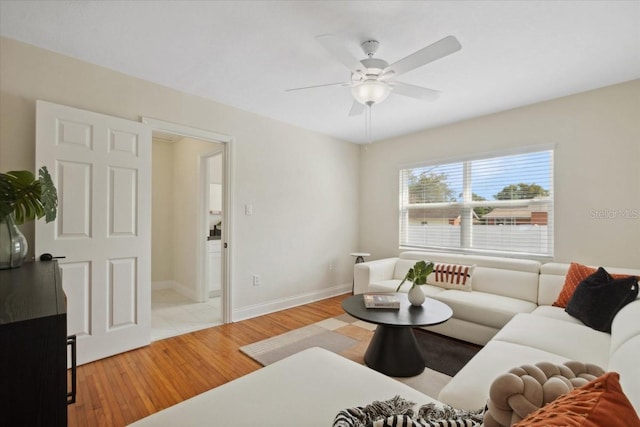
pixel 172 284
pixel 248 312
pixel 187 292
pixel 162 284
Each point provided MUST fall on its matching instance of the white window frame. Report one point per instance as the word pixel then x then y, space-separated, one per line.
pixel 467 204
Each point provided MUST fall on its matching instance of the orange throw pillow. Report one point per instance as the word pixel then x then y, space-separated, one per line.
pixel 576 274
pixel 598 403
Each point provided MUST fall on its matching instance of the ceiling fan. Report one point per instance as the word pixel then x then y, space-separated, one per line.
pixel 372 79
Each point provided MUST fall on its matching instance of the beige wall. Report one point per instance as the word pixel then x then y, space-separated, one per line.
pixel 162 269
pixel 303 185
pixel 313 195
pixel 175 204
pixel 597 170
pixel 187 235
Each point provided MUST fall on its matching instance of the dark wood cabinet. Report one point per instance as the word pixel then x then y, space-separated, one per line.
pixel 33 346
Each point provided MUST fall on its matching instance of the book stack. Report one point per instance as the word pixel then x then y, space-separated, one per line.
pixel 381 300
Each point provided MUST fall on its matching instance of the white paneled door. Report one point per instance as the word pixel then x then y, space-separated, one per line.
pixel 101 166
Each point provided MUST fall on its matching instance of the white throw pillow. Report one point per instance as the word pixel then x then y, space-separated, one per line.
pixel 451 276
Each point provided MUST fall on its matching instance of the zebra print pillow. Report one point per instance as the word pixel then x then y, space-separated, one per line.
pixel 451 276
pixel 398 411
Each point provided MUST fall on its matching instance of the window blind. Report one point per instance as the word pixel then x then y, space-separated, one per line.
pixel 497 204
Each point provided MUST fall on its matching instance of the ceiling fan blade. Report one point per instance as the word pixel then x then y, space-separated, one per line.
pixel 437 50
pixel 335 46
pixel 317 86
pixel 356 109
pixel 386 74
pixel 414 91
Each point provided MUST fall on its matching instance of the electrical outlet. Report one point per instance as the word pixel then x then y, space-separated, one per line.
pixel 257 281
pixel 330 267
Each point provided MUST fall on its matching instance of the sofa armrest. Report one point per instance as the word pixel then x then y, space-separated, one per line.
pixel 367 272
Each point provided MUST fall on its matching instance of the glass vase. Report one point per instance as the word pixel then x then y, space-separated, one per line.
pixel 13 244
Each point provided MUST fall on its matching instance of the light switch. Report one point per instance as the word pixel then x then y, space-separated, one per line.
pixel 248 209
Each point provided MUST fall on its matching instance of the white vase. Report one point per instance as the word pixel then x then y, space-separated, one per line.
pixel 416 296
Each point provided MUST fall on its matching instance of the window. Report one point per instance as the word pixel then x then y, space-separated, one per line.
pixel 490 205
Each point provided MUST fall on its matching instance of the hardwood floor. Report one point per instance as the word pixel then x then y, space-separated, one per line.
pixel 124 388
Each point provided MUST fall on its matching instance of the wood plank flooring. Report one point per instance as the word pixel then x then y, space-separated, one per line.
pixel 127 387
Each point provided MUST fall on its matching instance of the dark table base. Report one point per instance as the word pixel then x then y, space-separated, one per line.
pixel 394 351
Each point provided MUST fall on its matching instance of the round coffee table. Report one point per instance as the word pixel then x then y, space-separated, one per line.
pixel 393 350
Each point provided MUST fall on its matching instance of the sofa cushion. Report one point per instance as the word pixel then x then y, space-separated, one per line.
pixel 550 282
pixel 483 308
pixel 599 403
pixel 624 351
pixel 402 267
pixel 469 388
pixel 625 325
pixel 452 276
pixel 555 313
pixel 509 283
pixel 599 297
pixel 465 331
pixel 516 278
pixel 434 257
pixel 625 362
pixel 569 340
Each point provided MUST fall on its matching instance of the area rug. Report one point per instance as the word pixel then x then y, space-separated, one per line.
pixel 350 337
pixel 444 354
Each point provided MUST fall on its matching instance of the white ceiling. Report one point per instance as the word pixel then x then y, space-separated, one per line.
pixel 246 53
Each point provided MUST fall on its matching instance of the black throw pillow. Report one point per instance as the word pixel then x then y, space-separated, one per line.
pixel 599 297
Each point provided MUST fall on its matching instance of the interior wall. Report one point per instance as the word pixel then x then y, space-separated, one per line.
pixel 187 237
pixel 162 270
pixel 597 171
pixel 303 186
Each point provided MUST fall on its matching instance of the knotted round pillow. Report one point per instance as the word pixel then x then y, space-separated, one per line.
pixel 527 388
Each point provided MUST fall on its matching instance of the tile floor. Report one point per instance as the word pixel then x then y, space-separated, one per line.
pixel 174 314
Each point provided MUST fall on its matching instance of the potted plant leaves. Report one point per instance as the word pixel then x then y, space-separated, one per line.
pixel 418 276
pixel 23 197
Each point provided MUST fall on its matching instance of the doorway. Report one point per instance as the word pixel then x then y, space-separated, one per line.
pixel 189 230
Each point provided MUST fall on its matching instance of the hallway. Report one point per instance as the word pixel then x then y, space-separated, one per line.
pixel 174 314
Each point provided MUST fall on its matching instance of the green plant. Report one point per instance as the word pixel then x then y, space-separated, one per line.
pixel 26 197
pixel 418 274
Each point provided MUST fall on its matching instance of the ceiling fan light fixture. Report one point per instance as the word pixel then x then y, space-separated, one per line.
pixel 371 92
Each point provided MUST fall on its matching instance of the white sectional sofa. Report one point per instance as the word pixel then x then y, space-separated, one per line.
pixel 501 288
pixel 306 389
pixel 550 334
pixel 508 310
